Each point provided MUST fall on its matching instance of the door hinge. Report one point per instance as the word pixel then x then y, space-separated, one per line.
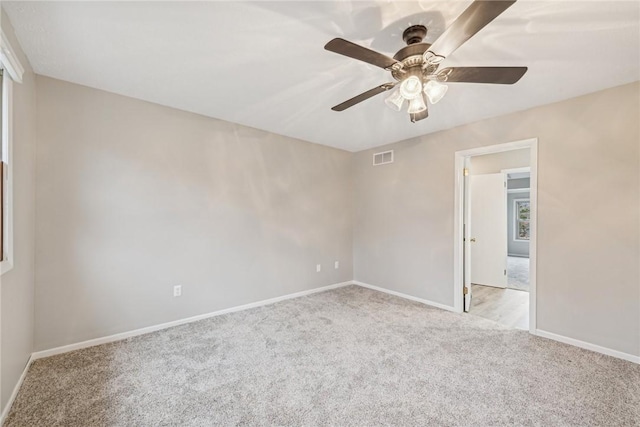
pixel 505 272
pixel 465 172
pixel 465 290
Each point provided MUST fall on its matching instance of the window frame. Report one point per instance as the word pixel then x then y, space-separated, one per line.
pixel 517 221
pixel 12 73
pixel 6 263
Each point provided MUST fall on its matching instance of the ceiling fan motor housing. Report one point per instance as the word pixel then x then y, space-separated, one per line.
pixel 411 56
pixel 414 34
pixel 412 60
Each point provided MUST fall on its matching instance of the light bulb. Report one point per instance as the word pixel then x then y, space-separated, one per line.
pixel 435 91
pixel 417 105
pixel 411 87
pixel 395 100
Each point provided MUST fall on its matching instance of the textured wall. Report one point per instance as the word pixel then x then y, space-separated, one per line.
pixel 16 286
pixel 588 238
pixel 496 162
pixel 518 183
pixel 134 198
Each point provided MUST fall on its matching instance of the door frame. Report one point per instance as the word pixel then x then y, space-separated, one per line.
pixel 461 158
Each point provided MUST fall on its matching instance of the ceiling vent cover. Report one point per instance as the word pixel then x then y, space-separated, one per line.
pixel 383 158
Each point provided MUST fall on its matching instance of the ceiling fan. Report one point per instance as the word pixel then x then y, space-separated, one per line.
pixel 415 66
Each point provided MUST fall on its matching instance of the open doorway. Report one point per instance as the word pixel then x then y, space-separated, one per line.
pixel 495 233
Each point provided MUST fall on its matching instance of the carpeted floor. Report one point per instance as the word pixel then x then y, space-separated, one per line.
pixel 350 356
pixel 518 273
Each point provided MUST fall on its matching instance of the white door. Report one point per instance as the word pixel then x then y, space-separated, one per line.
pixel 488 230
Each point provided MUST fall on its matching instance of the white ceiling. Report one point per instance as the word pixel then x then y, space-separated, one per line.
pixel 262 64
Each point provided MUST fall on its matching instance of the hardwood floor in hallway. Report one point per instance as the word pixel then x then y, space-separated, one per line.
pixel 507 306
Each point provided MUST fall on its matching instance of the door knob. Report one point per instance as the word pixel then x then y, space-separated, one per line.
pixel 473 239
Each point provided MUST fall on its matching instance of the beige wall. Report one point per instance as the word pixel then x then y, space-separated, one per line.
pixel 134 198
pixel 588 214
pixel 16 286
pixel 496 162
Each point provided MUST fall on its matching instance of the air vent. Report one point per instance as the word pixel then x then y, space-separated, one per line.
pixel 383 158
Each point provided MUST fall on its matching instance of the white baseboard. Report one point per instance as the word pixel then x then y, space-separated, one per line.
pixel 148 329
pixel 14 393
pixel 141 331
pixel 588 346
pixel 518 255
pixel 540 333
pixel 405 296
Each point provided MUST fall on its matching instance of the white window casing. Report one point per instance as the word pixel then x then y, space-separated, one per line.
pixel 9 60
pixel 12 73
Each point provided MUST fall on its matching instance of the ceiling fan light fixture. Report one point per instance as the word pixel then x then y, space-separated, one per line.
pixel 411 87
pixel 415 67
pixel 435 91
pixel 417 105
pixel 395 100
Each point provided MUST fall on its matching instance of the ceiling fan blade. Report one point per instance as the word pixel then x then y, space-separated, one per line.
pixel 496 75
pixel 352 50
pixel 472 20
pixel 363 96
pixel 420 116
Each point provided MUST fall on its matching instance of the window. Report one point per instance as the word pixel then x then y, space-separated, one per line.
pixel 11 72
pixel 522 218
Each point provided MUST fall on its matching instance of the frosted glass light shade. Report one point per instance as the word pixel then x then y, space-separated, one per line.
pixel 435 91
pixel 411 87
pixel 395 100
pixel 416 105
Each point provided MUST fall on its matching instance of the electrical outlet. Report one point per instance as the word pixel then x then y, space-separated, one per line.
pixel 318 268
pixel 177 290
pixel 336 265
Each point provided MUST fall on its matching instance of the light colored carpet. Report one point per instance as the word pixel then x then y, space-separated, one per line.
pixel 350 356
pixel 518 273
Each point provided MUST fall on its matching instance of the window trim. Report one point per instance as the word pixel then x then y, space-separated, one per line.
pixel 9 60
pixel 13 71
pixel 516 220
pixel 7 152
